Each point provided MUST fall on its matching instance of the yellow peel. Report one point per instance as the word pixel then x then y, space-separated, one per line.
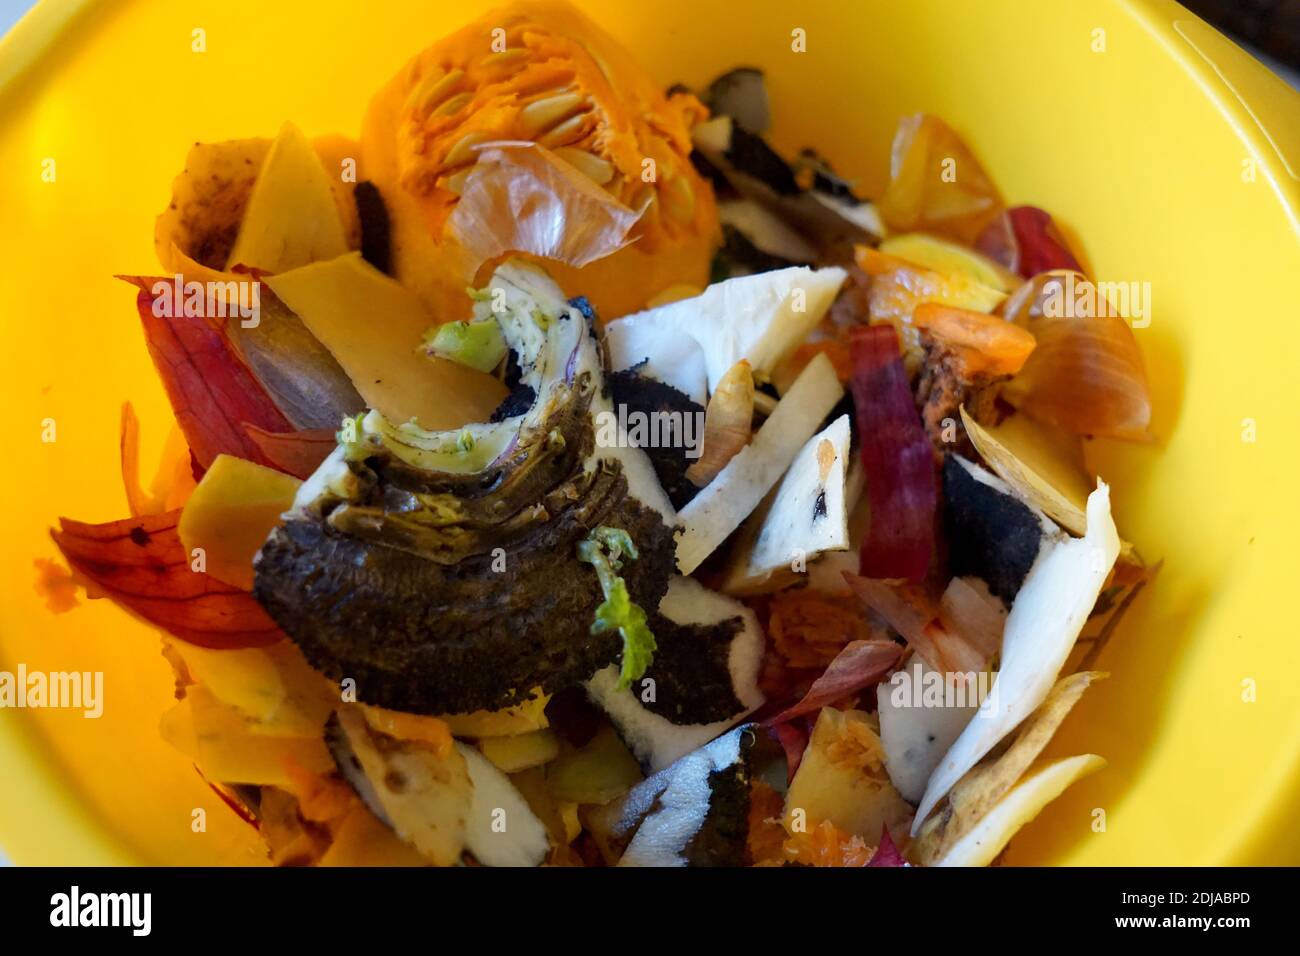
pixel 1044 469
pixel 985 841
pixel 1023 457
pixel 338 300
pixel 977 793
pixel 292 218
pixel 949 258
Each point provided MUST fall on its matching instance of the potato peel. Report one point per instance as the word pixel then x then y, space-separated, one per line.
pixel 983 842
pixel 977 793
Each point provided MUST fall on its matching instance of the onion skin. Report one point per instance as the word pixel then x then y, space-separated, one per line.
pixel 1085 375
pixel 212 392
pixel 1042 247
pixel 860 664
pixel 1025 240
pixel 923 196
pixel 728 423
pixel 520 197
pixel 141 565
pixel 297 453
pixel 910 611
pixel 897 458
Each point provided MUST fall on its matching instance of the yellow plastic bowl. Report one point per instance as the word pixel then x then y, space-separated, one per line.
pixel 1170 153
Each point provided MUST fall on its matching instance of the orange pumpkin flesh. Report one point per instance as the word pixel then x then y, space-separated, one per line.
pixel 541 73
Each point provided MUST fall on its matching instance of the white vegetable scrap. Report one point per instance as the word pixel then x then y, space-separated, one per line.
pixel 760 318
pixel 809 514
pixel 655 740
pixel 725 502
pixel 917 734
pixel 500 828
pixel 1049 611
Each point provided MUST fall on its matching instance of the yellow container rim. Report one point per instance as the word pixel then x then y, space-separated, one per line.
pixel 41 818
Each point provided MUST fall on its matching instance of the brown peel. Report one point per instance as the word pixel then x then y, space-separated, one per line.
pixel 728 423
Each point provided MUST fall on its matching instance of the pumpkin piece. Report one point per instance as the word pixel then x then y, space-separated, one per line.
pixel 842 779
pixel 540 73
pixel 373 328
pixel 340 158
pixel 230 514
pixel 822 845
pixel 244 678
pixel 272 688
pixel 519 719
pixel 1043 466
pixel 430 731
pixel 949 258
pixel 982 345
pixel 1043 784
pixel 595 773
pixel 899 286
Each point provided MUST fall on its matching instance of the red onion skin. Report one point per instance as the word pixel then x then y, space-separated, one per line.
pixel 898 459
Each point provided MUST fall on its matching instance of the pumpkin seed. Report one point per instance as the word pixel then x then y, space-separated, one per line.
pixel 463 151
pixel 438 91
pixel 564 134
pixel 454 105
pixel 590 165
pixel 602 66
pixel 421 86
pixel 504 58
pixel 456 181
pixel 542 115
pixel 679 199
pixel 646 202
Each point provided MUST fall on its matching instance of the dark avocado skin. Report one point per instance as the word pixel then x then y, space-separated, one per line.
pixel 722 840
pixel 645 395
pixel 991 535
pixel 406 593
pixel 722 837
pixel 691 678
pixel 376 238
pixel 738 255
pixel 751 154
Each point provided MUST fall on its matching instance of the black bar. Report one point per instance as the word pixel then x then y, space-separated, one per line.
pixel 589 907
